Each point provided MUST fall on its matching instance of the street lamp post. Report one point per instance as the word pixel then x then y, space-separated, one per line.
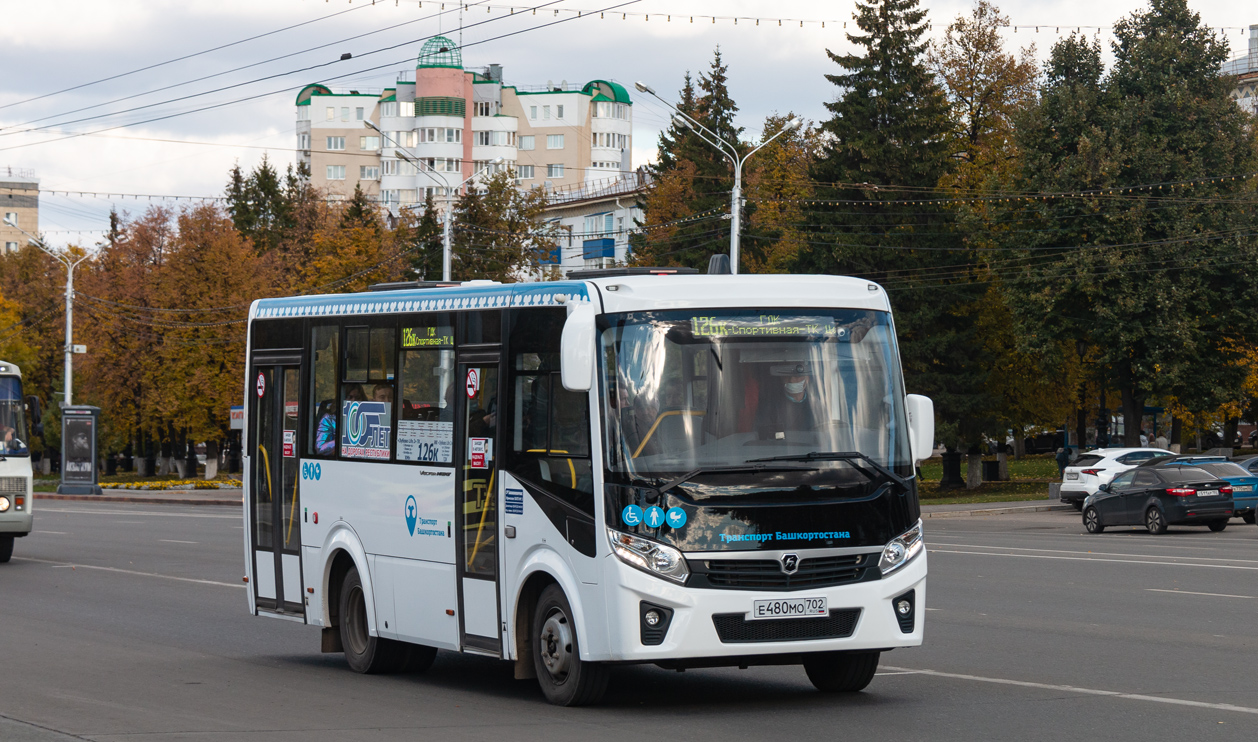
pixel 70 265
pixel 731 153
pixel 446 236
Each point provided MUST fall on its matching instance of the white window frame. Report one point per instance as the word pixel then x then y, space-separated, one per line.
pixel 554 170
pixel 524 172
pixel 554 139
pixel 336 172
pixel 368 172
pixel 335 144
pixel 528 142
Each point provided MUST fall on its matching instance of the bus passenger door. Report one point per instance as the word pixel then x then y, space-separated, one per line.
pixel 477 511
pixel 273 495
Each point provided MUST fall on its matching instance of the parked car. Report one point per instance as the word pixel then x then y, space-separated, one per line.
pixel 1157 497
pixel 1094 468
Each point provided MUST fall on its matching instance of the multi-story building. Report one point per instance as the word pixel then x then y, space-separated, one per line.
pixel 1246 70
pixel 443 124
pixel 595 220
pixel 19 203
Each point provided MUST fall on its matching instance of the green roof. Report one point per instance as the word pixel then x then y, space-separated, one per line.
pixel 303 98
pixel 611 90
pixel 440 51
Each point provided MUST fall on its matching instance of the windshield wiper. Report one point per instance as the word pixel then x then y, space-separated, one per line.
pixel 725 469
pixel 850 457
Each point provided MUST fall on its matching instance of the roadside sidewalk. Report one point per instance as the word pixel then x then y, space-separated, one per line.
pixel 154 497
pixel 963 510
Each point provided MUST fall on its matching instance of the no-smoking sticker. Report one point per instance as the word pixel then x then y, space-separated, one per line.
pixel 261 385
pixel 473 383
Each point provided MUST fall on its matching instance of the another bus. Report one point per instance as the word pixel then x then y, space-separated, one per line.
pixel 16 503
pixel 684 470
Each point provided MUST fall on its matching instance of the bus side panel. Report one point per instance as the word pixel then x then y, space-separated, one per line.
pixel 423 592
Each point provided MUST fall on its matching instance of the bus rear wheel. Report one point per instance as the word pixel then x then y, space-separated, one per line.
pixel 366 653
pixel 6 548
pixel 841 672
pixel 566 679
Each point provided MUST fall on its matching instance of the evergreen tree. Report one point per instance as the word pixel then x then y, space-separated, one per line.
pixel 1157 280
pixel 692 177
pixel 422 233
pixel 499 232
pixel 888 140
pixel 361 211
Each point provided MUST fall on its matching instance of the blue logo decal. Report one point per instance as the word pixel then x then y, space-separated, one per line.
pixel 631 515
pixel 311 470
pixel 676 517
pixel 411 514
pixel 654 517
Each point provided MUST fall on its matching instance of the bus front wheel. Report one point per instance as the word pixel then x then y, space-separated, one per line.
pixel 6 548
pixel 566 680
pixel 841 672
pixel 365 653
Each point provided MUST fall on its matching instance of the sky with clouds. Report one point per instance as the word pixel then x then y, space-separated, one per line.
pixel 169 147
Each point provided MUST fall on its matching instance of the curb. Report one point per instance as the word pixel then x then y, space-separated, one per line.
pixel 149 500
pixel 994 511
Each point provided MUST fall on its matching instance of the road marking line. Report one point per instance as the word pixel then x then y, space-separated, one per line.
pixel 1098 553
pixel 1087 559
pixel 1189 592
pixel 174 541
pixel 55 533
pixel 136 512
pixel 898 672
pixel 126 572
pixel 1083 691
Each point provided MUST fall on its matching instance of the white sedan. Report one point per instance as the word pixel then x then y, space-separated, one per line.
pixel 1095 468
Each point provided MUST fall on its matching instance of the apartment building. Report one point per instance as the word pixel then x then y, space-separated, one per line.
pixel 595 221
pixel 1246 70
pixel 439 126
pixel 19 203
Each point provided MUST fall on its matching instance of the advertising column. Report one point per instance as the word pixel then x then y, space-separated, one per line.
pixel 79 462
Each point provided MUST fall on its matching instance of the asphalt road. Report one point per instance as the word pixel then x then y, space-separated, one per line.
pixel 121 622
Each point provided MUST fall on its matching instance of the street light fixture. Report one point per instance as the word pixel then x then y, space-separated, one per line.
pixel 446 236
pixel 70 265
pixel 731 153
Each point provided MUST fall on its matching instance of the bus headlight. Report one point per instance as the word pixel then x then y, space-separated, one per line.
pixel 4 504
pixel 649 556
pixel 901 549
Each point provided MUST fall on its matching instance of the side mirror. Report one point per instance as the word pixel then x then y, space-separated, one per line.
pixel 32 405
pixel 921 414
pixel 576 347
pixel 1103 488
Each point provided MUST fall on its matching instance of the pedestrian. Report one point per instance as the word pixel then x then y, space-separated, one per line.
pixel 1063 458
pixel 1161 441
pixel 1144 439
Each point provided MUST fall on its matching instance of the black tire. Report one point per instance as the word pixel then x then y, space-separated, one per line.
pixel 1249 517
pixel 565 679
pixel 1092 521
pixel 1217 525
pixel 841 672
pixel 6 548
pixel 1077 504
pixel 1155 521
pixel 365 653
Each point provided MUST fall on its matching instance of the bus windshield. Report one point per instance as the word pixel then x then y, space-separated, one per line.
pixel 684 390
pixel 12 418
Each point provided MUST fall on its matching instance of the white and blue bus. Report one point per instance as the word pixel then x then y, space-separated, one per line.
pixel 630 466
pixel 16 475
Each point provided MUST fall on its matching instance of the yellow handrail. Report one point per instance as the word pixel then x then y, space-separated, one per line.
pixel 270 490
pixel 292 513
pixel 662 415
pixel 484 512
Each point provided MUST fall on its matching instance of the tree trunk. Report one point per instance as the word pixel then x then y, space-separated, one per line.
pixel 1019 443
pixel 211 459
pixel 1229 432
pixel 974 471
pixel 1133 414
pixel 1177 430
pixel 190 461
pixel 1081 427
pixel 1002 460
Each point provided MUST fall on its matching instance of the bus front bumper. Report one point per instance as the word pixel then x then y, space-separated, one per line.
pixel 16 524
pixel 692 631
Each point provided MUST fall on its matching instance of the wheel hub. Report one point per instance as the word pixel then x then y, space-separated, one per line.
pixel 556 645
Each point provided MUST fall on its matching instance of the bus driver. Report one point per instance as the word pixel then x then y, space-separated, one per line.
pixel 792 409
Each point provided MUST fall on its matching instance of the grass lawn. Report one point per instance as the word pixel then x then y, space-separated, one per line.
pixel 1029 480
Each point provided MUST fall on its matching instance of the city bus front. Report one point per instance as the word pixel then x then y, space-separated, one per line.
pixel 759 501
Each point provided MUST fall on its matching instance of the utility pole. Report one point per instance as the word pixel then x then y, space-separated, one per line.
pixel 70 265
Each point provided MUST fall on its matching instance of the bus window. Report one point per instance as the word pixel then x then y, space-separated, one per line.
pixel 480 328
pixel 366 424
pixel 549 425
pixel 426 389
pixel 324 353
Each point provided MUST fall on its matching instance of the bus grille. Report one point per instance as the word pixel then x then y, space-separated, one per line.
pixel 767 574
pixel 13 484
pixel 734 628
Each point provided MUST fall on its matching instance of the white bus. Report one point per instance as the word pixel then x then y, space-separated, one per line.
pixel 16 503
pixel 684 470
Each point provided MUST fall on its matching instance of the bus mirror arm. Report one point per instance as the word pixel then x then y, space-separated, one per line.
pixel 921 415
pixel 576 347
pixel 32 404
